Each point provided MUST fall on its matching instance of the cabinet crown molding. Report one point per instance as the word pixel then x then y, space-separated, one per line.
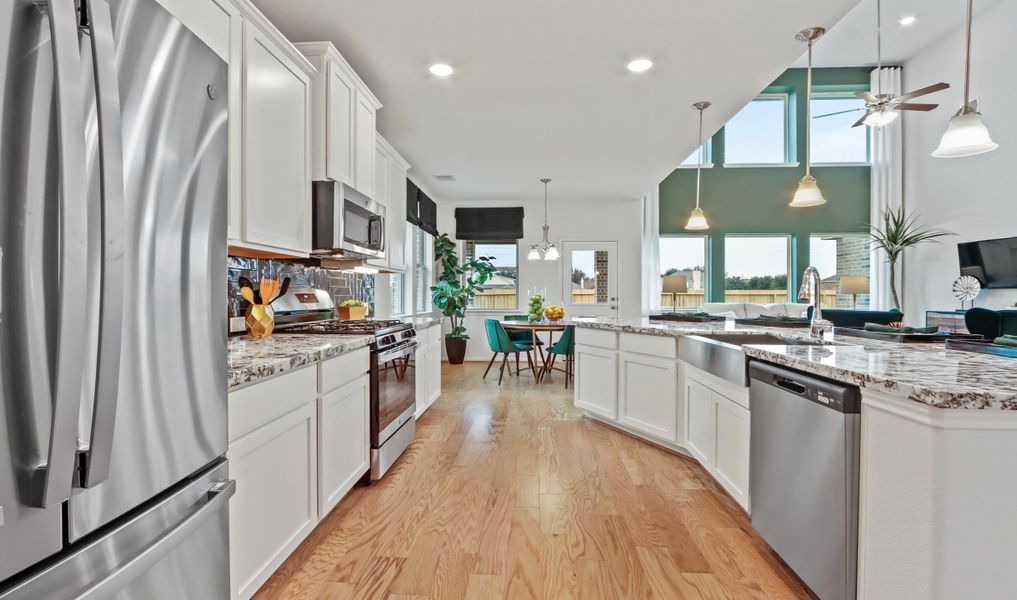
pixel 257 18
pixel 392 153
pixel 329 52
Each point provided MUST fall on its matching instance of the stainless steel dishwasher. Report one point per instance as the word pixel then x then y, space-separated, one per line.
pixel 804 474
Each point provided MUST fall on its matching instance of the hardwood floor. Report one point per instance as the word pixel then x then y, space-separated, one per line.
pixel 508 492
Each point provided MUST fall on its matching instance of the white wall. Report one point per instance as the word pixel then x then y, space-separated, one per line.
pixel 571 220
pixel 974 197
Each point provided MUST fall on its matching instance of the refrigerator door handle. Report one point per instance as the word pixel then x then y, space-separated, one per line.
pixel 217 497
pixel 95 460
pixel 50 482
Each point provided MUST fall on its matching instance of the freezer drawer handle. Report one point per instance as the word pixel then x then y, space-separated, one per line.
pixel 95 461
pixel 216 499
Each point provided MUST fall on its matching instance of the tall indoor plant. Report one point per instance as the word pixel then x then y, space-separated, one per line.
pixel 899 232
pixel 458 284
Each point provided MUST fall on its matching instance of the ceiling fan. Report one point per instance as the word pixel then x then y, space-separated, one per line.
pixel 881 109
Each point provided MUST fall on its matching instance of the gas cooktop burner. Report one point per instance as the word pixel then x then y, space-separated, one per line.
pixel 365 326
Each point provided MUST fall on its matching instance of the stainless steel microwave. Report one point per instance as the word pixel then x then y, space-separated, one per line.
pixel 346 222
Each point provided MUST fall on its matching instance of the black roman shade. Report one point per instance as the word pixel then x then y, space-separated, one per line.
pixel 412 203
pixel 489 224
pixel 428 214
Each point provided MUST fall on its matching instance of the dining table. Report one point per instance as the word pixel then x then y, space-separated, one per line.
pixel 535 328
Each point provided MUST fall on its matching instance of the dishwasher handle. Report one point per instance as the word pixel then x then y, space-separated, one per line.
pixel 791 386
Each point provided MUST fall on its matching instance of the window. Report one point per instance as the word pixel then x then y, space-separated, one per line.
pixel 423 264
pixel 590 282
pixel 684 255
pixel 693 158
pixel 843 263
pixel 756 268
pixel 500 291
pixel 397 296
pixel 834 140
pixel 757 135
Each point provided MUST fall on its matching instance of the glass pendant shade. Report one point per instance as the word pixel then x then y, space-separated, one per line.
pixel 879 118
pixel 697 220
pixel 966 135
pixel 534 253
pixel 551 253
pixel 808 193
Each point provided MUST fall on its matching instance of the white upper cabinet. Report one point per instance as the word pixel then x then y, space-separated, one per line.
pixel 344 112
pixel 395 206
pixel 276 158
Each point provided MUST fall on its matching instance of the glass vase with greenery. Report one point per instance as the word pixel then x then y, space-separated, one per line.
pixel 899 232
pixel 458 283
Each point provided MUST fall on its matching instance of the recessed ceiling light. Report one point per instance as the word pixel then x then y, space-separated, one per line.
pixel 441 70
pixel 640 64
pixel 909 20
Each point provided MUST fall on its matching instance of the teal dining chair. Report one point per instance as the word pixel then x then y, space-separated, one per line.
pixel 500 343
pixel 565 346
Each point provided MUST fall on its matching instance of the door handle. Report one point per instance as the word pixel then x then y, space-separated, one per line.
pixel 49 482
pixel 95 460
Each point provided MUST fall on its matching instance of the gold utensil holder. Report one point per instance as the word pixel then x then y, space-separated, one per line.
pixel 260 320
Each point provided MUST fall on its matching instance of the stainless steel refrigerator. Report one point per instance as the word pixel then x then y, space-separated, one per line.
pixel 113 192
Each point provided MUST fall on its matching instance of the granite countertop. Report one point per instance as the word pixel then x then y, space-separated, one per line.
pixel 251 360
pixel 925 373
pixel 423 322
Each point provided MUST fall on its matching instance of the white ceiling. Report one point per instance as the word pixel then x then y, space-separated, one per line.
pixel 541 89
pixel 852 42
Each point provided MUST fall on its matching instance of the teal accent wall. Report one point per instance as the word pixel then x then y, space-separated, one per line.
pixel 754 200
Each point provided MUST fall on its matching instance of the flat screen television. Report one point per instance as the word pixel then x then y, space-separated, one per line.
pixel 992 262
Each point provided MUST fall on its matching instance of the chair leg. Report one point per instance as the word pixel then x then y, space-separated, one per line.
pixel 494 356
pixel 501 373
pixel 568 370
pixel 529 361
pixel 517 364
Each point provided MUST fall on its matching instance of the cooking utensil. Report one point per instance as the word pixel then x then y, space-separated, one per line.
pixel 282 290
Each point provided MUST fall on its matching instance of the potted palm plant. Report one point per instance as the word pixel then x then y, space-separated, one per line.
pixel 899 232
pixel 458 284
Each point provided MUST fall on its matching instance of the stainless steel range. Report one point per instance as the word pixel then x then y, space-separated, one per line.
pixel 393 370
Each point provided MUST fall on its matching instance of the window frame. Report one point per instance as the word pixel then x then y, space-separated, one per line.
pixel 841 95
pixel 788 116
pixel 428 267
pixel 789 263
pixel 707 156
pixel 707 259
pixel 519 264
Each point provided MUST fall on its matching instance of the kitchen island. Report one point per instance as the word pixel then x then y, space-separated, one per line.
pixel 938 459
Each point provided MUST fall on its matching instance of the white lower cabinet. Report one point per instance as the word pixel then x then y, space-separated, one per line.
pixel 597 381
pixel 717 434
pixel 344 429
pixel 275 507
pixel 648 399
pixel 700 423
pixel 732 457
pixel 428 366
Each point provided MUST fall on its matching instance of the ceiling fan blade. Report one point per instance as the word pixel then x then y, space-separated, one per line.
pixel 861 121
pixel 915 106
pixel 840 112
pixel 925 90
pixel 868 97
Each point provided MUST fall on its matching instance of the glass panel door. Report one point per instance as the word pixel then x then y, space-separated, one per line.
pixel 590 279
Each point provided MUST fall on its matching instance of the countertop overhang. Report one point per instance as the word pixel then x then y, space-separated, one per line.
pixel 925 373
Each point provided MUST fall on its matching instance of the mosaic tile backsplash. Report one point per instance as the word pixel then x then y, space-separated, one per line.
pixel 341 285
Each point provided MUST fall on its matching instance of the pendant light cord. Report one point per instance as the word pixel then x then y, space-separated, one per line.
pixel 699 165
pixel 808 115
pixel 967 59
pixel 879 48
pixel 547 242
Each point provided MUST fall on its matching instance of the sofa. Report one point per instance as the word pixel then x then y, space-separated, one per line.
pixel 841 317
pixel 751 310
pixel 991 324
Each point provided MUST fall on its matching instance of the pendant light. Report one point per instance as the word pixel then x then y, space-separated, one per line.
pixel 808 193
pixel 550 251
pixel 880 115
pixel 966 134
pixel 697 220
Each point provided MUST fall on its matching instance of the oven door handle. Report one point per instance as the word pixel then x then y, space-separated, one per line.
pixel 399 352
